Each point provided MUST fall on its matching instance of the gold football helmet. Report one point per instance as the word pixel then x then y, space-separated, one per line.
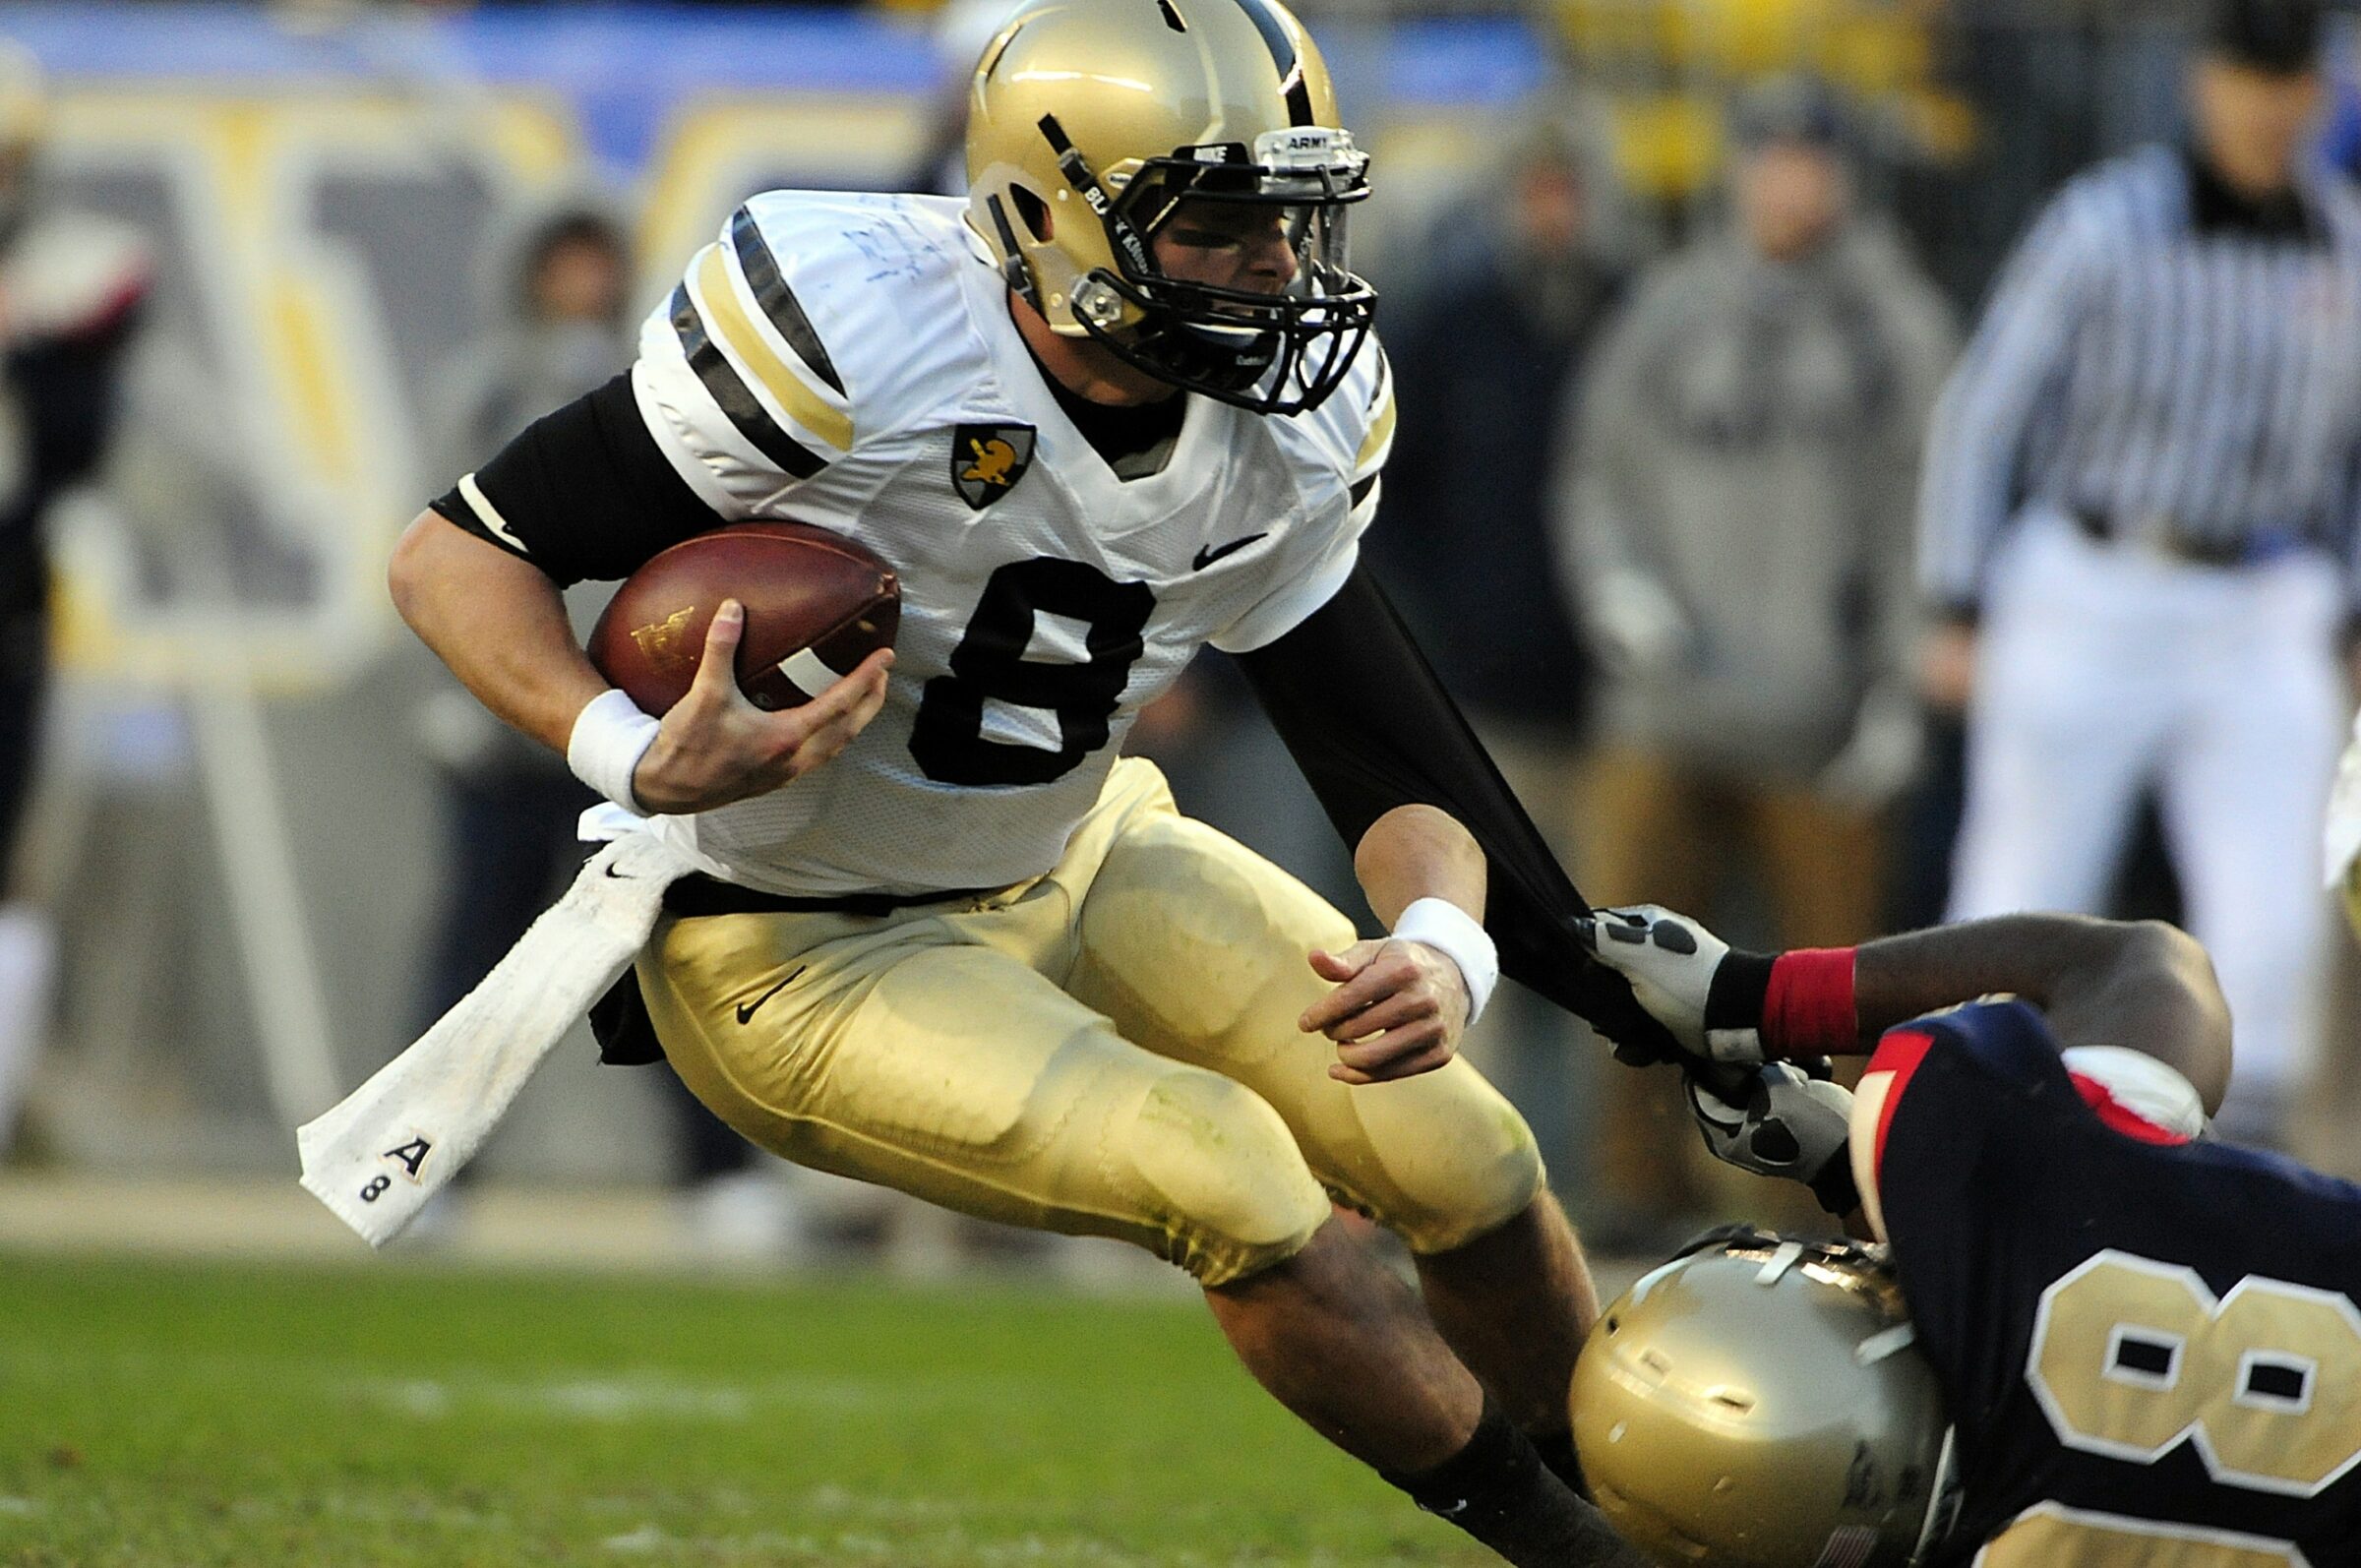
pixel 1757 1403
pixel 1092 122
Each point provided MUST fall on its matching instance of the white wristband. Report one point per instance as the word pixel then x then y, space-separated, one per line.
pixel 610 735
pixel 1455 934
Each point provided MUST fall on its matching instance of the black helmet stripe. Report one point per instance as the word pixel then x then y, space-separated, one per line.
pixel 1284 56
pixel 1274 33
pixel 1298 96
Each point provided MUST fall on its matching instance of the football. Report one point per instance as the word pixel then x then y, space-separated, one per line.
pixel 817 604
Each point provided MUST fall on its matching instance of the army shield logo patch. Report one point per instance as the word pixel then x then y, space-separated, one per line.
pixel 987 461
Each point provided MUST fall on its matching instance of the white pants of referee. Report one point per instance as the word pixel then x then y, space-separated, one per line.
pixel 2105 669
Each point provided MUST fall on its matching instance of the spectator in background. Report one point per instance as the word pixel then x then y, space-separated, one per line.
pixel 1485 354
pixel 1736 533
pixel 558 281
pixel 2140 489
pixel 70 289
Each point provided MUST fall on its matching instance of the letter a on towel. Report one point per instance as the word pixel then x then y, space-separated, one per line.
pixel 392 1143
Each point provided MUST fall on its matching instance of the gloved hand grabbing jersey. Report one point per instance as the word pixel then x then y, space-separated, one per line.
pixel 1737 1014
pixel 1722 1006
pixel 1671 963
pixel 1789 1125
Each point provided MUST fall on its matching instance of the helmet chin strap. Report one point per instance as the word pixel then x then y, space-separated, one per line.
pixel 1297 366
pixel 1120 232
pixel 1013 270
pixel 1218 375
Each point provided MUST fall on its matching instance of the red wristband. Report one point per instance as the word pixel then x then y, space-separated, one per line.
pixel 1807 1012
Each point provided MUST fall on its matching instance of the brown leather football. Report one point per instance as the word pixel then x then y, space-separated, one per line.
pixel 817 604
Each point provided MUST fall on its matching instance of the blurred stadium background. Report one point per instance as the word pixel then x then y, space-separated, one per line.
pixel 236 835
pixel 236 827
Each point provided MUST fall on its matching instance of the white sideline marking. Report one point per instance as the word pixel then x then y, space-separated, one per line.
pixel 619 1400
pixel 647 1537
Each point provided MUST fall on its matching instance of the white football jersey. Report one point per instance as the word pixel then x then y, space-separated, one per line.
pixel 850 361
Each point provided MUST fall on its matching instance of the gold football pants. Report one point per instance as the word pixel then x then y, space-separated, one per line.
pixel 1108 1050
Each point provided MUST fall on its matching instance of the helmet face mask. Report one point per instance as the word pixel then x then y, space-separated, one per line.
pixel 1164 116
pixel 1273 351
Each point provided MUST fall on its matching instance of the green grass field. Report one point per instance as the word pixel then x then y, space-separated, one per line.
pixel 254 1415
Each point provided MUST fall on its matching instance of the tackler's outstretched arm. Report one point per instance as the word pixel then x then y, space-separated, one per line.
pixel 2142 986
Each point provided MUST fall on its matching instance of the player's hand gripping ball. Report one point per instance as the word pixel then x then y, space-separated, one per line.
pixel 817 604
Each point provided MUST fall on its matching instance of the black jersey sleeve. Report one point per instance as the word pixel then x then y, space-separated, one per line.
pixel 1366 719
pixel 582 493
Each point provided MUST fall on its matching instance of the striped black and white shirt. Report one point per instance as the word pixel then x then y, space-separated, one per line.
pixel 2160 356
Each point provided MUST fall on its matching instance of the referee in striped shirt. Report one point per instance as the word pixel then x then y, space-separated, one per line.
pixel 2138 510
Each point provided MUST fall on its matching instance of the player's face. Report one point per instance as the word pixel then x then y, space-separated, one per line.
pixel 1243 245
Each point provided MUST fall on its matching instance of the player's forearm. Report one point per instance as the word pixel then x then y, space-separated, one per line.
pixel 2143 986
pixel 2032 957
pixel 497 622
pixel 1415 852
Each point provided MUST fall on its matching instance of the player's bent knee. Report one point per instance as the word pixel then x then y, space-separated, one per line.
pixel 1463 1188
pixel 1234 1194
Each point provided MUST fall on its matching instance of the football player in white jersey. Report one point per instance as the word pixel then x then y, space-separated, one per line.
pixel 1121 403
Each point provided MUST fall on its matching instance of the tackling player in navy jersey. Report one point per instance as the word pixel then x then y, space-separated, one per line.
pixel 2094 1337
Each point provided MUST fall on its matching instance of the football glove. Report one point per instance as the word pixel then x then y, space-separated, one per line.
pixel 1785 1124
pixel 1688 979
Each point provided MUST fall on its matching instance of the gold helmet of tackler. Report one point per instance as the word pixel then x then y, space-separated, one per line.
pixel 1758 1402
pixel 1092 121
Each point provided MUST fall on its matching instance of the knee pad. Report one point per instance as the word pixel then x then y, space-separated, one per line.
pixel 1459 1183
pixel 1204 936
pixel 1225 1175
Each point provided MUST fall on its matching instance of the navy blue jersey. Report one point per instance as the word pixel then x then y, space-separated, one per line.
pixel 2152 1348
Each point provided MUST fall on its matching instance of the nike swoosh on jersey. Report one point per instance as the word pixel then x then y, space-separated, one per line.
pixel 745 1010
pixel 489 515
pixel 1207 554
